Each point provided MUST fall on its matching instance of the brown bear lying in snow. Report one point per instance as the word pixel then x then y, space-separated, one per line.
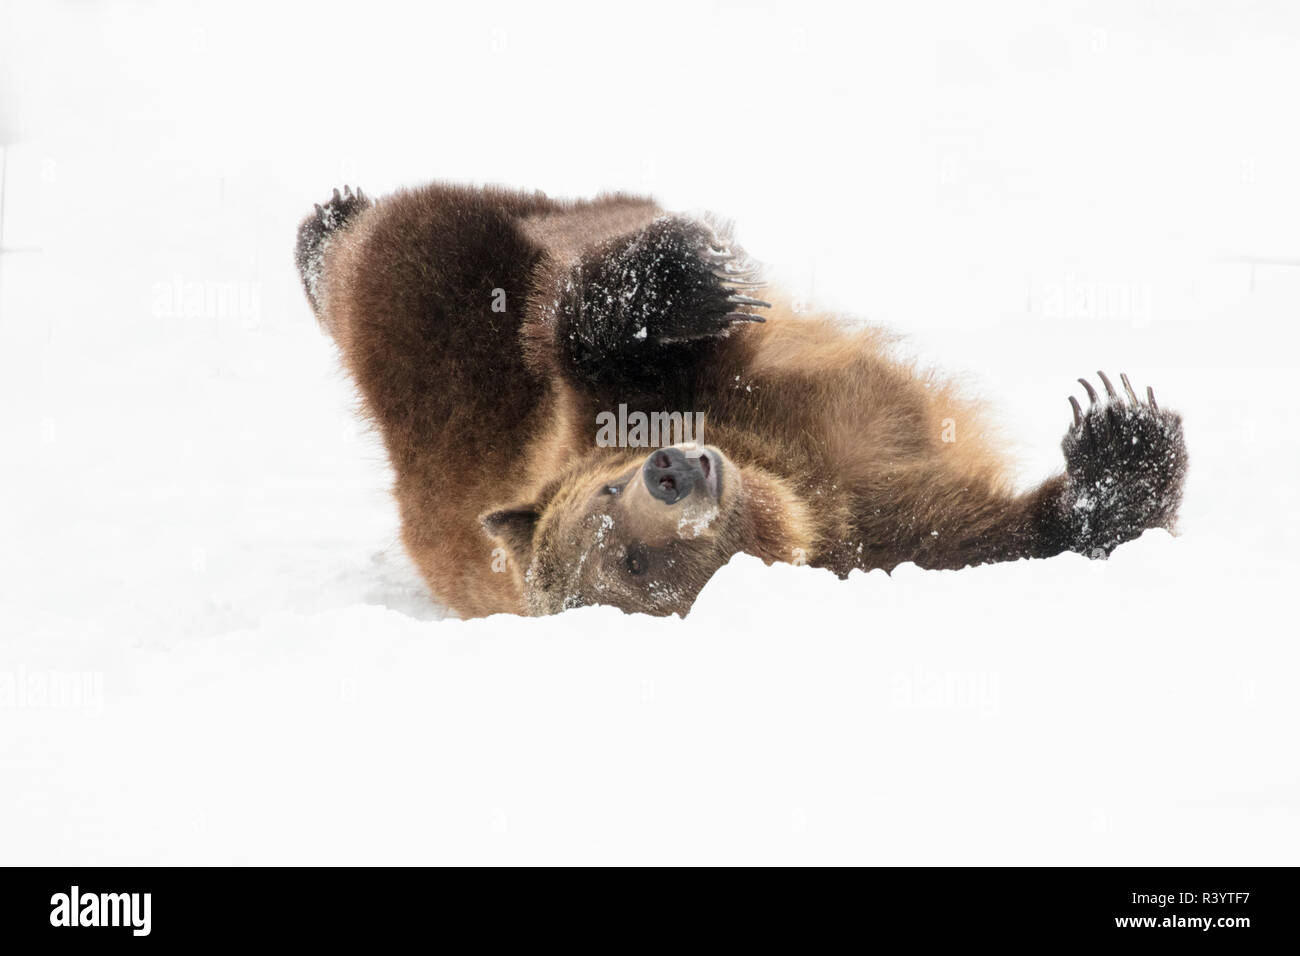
pixel 494 335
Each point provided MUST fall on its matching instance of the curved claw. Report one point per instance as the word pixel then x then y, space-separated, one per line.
pixel 744 317
pixel 1078 412
pixel 747 300
pixel 1110 389
pixel 1151 398
pixel 1128 387
pixel 1092 392
pixel 320 213
pixel 717 255
pixel 360 194
pixel 337 197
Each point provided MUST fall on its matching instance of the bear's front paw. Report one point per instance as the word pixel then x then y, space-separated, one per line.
pixel 1125 462
pixel 676 280
pixel 697 282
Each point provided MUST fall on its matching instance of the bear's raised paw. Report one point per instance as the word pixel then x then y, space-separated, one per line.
pixel 676 280
pixel 315 231
pixel 339 208
pixel 706 281
pixel 1125 463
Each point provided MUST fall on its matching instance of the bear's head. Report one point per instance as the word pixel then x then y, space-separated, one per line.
pixel 644 533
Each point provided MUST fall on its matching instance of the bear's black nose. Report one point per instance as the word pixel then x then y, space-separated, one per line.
pixel 669 475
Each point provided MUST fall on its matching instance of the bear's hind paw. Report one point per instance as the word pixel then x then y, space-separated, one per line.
pixel 315 231
pixel 1125 460
pixel 339 208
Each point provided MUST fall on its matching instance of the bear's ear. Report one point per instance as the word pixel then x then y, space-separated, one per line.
pixel 514 528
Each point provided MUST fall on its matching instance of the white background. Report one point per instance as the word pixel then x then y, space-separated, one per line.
pixel 213 650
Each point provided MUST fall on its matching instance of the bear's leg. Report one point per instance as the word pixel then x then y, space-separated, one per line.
pixel 1125 464
pixel 635 314
pixel 315 232
pixel 424 293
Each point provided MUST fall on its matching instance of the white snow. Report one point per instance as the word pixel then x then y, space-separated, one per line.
pixel 212 649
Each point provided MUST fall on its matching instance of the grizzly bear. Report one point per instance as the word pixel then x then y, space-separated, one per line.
pixel 494 336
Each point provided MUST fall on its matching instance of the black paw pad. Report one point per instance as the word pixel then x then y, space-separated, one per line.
pixel 1125 460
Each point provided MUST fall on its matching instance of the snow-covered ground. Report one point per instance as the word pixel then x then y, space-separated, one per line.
pixel 213 650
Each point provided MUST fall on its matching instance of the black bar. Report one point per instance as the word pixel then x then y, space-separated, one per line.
pixel 1243 907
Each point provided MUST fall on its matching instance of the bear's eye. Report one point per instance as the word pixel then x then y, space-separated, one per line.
pixel 637 560
pixel 612 489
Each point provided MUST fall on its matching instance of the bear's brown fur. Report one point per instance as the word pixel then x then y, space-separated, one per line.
pixel 487 329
